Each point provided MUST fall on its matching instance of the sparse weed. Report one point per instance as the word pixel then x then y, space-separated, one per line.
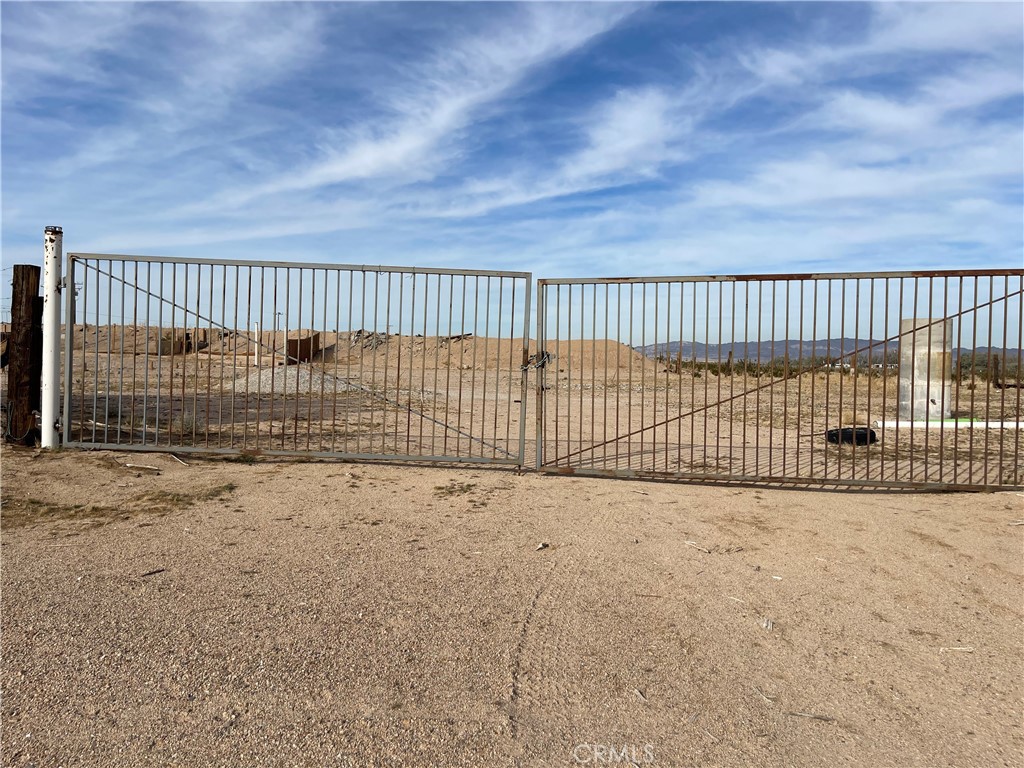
pixel 453 488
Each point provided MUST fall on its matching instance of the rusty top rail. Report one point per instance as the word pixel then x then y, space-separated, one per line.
pixel 1007 272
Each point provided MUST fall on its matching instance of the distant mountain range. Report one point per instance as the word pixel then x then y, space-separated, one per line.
pixel 797 349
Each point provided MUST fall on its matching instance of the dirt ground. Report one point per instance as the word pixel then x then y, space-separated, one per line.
pixel 327 613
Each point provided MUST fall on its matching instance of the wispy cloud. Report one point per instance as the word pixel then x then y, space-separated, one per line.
pixel 431 103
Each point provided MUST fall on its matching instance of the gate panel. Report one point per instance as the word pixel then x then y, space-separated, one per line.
pixel 877 379
pixel 285 358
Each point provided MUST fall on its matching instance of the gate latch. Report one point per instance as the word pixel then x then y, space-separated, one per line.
pixel 538 360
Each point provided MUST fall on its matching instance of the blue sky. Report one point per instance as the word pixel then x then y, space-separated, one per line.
pixel 568 139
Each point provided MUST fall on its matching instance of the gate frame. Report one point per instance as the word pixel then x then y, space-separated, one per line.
pixel 70 308
pixel 791 481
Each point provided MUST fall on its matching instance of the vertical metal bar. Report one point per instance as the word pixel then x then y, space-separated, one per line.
pixel 558 369
pixel 384 373
pixel 757 389
pixel 831 367
pixel 643 367
pixel 312 356
pixel 423 368
pixel 185 358
pixel 899 323
pixel 801 367
pixel 618 372
pixel 541 368
pixel 295 360
pixel 604 399
pixel 184 354
pixel 497 360
pixel 855 375
pixel 707 367
pixel 259 353
pixel 885 380
pixel 913 376
pixel 120 378
pixel 475 340
pixel 172 341
pixel 1019 381
pixel 209 357
pixel 785 380
pixel 182 421
pixel 842 373
pixel 317 363
pixel 568 371
pixel 353 339
pixel 234 355
pixel 337 354
pixel 593 374
pixel 746 370
pixel 989 310
pixel 523 369
pixel 412 354
pixel 654 376
pixel 110 334
pixel 437 362
pixel 195 349
pixel 928 385
pixel 462 352
pixel 946 342
pixel 248 370
pixel 668 366
pixel 160 354
pixel 871 370
pixel 96 354
pixel 398 360
pixel 812 409
pixel 974 383
pixel 85 361
pixel 448 374
pixel 373 360
pixel 693 373
pixel 511 363
pixel 1003 388
pixel 70 318
pixel 771 377
pixel 718 377
pixel 224 335
pixel 629 395
pixel 348 367
pixel 959 376
pixel 732 377
pixel 273 361
pixel 942 375
pixel 229 333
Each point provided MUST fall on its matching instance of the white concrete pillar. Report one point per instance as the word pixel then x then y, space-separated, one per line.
pixel 926 369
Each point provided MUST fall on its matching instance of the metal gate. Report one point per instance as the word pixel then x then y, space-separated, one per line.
pixel 901 379
pixel 284 358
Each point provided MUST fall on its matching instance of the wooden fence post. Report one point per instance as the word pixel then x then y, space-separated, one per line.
pixel 25 356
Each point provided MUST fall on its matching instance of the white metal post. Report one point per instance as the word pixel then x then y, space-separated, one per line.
pixel 53 252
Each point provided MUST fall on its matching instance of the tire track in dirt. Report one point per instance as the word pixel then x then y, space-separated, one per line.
pixel 517 656
pixel 543 712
